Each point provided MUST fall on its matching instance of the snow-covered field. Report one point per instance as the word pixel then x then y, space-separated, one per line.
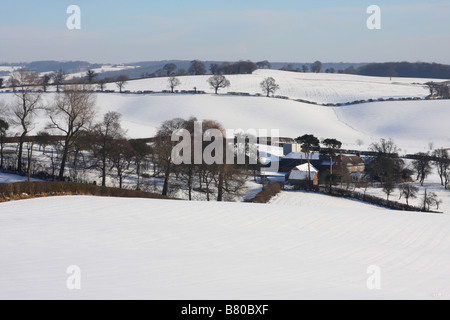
pixel 412 124
pixel 12 178
pixel 178 250
pixel 316 87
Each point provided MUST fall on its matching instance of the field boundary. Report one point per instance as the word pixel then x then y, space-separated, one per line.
pixel 30 190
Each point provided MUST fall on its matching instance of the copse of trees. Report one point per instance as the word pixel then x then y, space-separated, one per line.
pixel 263 64
pixel 406 69
pixel 440 90
pixel 316 67
pixel 386 167
pixel 197 68
pixel 240 67
pixel 170 69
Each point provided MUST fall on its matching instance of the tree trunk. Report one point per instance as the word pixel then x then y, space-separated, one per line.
pixel 64 159
pixel 19 157
pixel 138 173
pixel 29 162
pixel 220 187
pixel 166 181
pixel 1 155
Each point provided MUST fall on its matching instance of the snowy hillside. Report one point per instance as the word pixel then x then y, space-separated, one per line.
pixel 413 124
pixel 178 250
pixel 316 87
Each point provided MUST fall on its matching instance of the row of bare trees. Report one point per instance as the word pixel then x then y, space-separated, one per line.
pixel 74 143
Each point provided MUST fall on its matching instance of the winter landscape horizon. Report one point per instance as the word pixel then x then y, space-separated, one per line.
pixel 209 170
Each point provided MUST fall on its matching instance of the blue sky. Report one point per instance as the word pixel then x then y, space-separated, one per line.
pixel 119 31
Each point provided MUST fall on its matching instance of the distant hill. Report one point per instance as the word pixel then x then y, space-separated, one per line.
pixel 68 66
pixel 406 69
pixel 145 69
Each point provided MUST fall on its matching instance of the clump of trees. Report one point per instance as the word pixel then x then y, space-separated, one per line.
pixel 240 67
pixel 439 90
pixel 197 68
pixel 263 64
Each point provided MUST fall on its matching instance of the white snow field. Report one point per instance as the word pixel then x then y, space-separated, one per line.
pixel 153 249
pixel 12 178
pixel 412 124
pixel 315 87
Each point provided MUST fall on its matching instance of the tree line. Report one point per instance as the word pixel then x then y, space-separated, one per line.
pixel 102 146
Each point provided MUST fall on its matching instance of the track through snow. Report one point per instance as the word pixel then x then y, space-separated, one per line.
pixel 156 249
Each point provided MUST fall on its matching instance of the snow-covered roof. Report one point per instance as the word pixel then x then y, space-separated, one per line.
pixel 301 172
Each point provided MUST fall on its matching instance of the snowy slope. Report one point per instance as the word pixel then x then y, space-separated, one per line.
pixel 12 178
pixel 179 250
pixel 315 87
pixel 413 124
pixel 307 199
pixel 321 88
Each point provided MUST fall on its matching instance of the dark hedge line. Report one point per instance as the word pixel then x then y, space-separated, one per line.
pixel 342 193
pixel 23 190
pixel 267 193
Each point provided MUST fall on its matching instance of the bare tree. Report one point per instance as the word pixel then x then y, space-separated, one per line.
pixel 422 166
pixel 140 152
pixel 430 200
pixel 101 84
pixel 4 126
pixel 164 147
pixel 442 163
pixel 24 109
pixel 269 86
pixel 59 77
pixel 388 188
pixel 218 81
pixel 408 191
pixel 121 81
pixel 105 133
pixel 71 112
pixel 45 81
pixel 121 155
pixel 13 82
pixel 173 83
